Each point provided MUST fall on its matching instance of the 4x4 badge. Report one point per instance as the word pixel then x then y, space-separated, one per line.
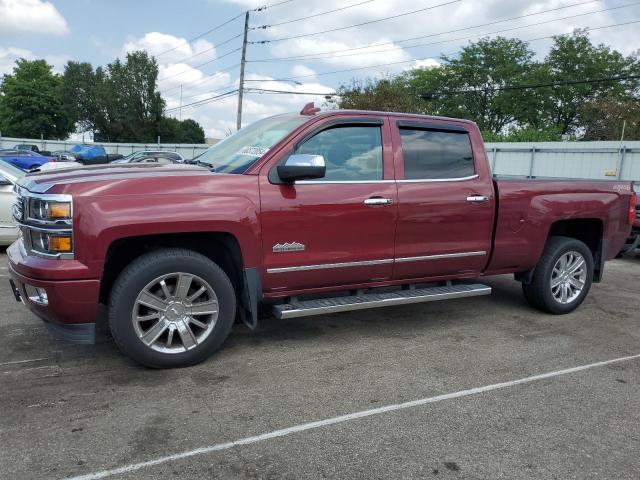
pixel 288 247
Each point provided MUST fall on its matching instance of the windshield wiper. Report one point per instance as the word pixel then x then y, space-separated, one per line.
pixel 202 164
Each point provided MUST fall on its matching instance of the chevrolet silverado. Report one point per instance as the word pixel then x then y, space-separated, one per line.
pixel 307 213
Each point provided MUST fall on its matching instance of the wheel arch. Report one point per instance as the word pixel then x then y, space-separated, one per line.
pixel 589 231
pixel 221 247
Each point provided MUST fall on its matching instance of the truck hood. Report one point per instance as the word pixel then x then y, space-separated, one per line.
pixel 45 181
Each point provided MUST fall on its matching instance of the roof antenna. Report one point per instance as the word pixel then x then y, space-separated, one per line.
pixel 309 109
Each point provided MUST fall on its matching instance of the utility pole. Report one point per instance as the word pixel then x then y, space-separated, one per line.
pixel 180 102
pixel 242 62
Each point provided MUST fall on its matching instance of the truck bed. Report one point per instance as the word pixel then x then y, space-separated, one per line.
pixel 527 210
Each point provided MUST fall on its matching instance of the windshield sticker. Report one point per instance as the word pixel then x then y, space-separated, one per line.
pixel 253 151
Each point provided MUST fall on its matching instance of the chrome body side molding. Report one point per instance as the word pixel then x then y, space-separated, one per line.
pixel 366 263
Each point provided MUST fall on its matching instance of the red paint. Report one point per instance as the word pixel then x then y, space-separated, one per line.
pixel 425 218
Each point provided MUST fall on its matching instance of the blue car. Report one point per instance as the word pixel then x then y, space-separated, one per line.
pixel 24 159
pixel 90 154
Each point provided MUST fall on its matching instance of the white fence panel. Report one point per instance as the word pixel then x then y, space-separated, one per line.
pixel 592 160
pixel 186 150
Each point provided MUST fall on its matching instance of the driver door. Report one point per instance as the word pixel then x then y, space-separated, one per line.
pixel 338 230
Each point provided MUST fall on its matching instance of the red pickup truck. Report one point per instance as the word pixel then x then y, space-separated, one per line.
pixel 308 213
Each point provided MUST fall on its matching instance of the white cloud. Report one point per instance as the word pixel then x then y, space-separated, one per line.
pixel 425 63
pixel 30 16
pixel 8 57
pixel 303 71
pixel 158 44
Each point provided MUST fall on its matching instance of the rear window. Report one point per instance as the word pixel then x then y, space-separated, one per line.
pixel 436 155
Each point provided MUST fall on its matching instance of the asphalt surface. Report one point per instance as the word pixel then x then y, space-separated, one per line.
pixel 74 410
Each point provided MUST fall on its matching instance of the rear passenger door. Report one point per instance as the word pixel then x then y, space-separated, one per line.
pixel 446 200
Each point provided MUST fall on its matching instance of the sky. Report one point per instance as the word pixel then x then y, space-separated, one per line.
pixel 373 45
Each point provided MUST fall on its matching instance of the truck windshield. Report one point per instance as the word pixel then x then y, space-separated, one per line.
pixel 239 151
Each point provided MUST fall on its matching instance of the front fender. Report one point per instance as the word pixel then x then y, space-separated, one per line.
pixel 103 220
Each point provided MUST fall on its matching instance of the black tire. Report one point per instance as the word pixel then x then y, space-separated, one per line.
pixel 538 293
pixel 136 276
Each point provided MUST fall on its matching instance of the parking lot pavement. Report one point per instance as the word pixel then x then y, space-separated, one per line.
pixel 76 410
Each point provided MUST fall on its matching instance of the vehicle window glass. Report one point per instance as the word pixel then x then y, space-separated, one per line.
pixel 350 153
pixel 236 153
pixel 432 155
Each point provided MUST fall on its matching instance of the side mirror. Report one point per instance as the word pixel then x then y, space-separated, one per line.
pixel 301 166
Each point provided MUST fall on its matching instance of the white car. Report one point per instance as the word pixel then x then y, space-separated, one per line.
pixel 9 175
pixel 56 166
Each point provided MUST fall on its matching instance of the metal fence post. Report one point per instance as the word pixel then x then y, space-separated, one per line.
pixel 532 161
pixel 493 160
pixel 623 151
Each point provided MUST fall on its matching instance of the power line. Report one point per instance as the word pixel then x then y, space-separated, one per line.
pixel 357 24
pixel 473 36
pixel 329 52
pixel 211 30
pixel 205 101
pixel 266 90
pixel 430 95
pixel 225 70
pixel 213 47
pixel 264 7
pixel 427 58
pixel 263 27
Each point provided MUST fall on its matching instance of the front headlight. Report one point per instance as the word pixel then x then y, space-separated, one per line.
pixel 49 210
pixel 46 224
pixel 51 243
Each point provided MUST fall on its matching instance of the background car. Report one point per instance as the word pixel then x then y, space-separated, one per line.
pixel 632 247
pixel 64 156
pixel 24 159
pixel 160 156
pixel 31 148
pixel 9 175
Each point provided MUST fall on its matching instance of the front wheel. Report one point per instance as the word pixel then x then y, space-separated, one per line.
pixel 562 277
pixel 171 308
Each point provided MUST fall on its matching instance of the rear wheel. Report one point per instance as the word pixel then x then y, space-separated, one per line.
pixel 562 278
pixel 171 308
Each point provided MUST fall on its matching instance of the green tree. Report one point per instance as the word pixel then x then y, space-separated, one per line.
pixel 387 95
pixel 191 132
pixel 605 119
pixel 574 57
pixel 472 85
pixel 129 99
pixel 31 102
pixel 79 94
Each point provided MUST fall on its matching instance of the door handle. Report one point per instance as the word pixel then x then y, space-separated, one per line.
pixel 477 198
pixel 378 201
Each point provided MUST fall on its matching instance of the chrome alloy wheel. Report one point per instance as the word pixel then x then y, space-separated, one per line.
pixel 175 312
pixel 568 277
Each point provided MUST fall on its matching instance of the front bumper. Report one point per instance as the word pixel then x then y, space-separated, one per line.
pixel 71 307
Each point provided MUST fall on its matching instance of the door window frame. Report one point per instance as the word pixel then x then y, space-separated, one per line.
pixel 381 121
pixel 433 126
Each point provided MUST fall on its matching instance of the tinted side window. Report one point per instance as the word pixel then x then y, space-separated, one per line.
pixel 350 153
pixel 430 154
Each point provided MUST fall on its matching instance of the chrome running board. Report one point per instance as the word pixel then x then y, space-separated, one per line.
pixel 321 306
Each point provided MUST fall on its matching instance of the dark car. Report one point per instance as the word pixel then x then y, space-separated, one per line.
pixel 158 156
pixel 24 159
pixel 31 148
pixel 25 146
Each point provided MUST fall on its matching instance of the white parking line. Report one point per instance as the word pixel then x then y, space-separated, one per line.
pixel 341 419
pixel 23 361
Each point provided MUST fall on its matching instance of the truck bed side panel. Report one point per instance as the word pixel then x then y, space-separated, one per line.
pixel 528 208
